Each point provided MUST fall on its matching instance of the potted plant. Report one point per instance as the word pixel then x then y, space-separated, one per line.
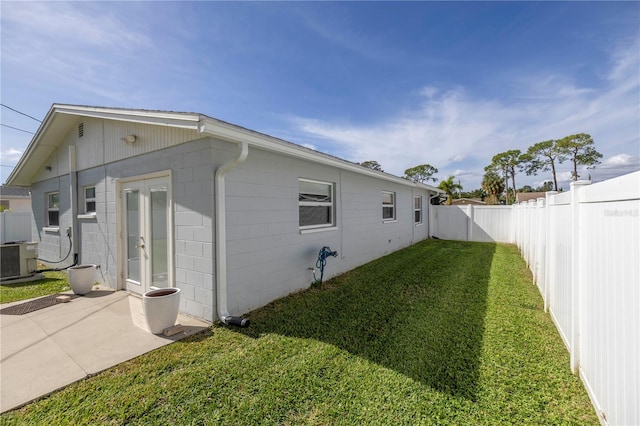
pixel 82 278
pixel 160 308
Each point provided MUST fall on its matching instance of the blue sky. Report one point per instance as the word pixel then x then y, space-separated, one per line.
pixel 450 84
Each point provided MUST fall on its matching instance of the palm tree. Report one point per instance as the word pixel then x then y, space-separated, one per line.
pixel 449 187
pixel 492 184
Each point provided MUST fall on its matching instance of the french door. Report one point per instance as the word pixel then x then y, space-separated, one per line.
pixel 146 234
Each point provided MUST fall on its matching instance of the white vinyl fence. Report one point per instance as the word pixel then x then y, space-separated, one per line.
pixel 583 249
pixel 15 226
pixel 472 223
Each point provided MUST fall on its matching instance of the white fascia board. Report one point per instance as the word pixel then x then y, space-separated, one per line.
pixel 162 118
pixel 232 133
pixel 17 169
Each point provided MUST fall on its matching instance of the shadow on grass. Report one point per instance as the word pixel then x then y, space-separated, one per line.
pixel 419 311
pixel 10 285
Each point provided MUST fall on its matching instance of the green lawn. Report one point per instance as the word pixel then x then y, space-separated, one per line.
pixel 440 333
pixel 54 282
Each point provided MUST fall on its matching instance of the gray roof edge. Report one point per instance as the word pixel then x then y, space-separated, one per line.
pixel 204 124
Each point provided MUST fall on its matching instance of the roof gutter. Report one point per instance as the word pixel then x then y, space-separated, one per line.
pixel 232 133
pixel 221 238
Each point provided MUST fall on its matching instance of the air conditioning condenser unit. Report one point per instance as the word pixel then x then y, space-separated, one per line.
pixel 18 260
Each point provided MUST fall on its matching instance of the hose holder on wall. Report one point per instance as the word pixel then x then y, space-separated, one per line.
pixel 322 261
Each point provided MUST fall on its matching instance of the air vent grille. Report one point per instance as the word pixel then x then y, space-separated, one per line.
pixel 80 130
pixel 10 261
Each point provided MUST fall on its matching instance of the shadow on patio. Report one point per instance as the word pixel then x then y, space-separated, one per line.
pixel 419 312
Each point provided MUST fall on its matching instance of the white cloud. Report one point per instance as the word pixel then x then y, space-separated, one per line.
pixel 616 165
pixel 74 24
pixel 310 146
pixel 86 49
pixel 453 126
pixel 620 160
pixel 429 91
pixel 11 155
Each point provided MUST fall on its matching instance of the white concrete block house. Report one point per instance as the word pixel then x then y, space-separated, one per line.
pixel 232 217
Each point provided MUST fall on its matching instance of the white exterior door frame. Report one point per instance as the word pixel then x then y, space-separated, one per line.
pixel 145 232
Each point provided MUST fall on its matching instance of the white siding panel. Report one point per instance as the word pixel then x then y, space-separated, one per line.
pixel 89 147
pixel 102 141
pixel 148 138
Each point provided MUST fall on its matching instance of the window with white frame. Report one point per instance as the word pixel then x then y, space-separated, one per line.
pixel 90 199
pixel 417 209
pixel 53 209
pixel 388 206
pixel 316 204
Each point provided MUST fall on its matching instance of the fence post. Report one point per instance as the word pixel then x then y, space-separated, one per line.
pixel 575 273
pixel 549 250
pixel 540 246
pixel 470 222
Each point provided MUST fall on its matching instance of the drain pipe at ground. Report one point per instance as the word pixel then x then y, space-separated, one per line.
pixel 221 239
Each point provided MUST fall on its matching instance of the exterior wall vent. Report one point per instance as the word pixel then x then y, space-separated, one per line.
pixel 80 130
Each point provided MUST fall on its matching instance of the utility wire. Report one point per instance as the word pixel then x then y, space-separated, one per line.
pixel 22 113
pixel 15 128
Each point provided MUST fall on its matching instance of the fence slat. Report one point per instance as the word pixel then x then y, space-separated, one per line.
pixel 582 247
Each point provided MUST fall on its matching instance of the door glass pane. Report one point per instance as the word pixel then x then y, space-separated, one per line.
pixel 159 226
pixel 133 236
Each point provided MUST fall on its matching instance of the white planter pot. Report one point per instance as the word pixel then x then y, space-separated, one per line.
pixel 160 308
pixel 81 278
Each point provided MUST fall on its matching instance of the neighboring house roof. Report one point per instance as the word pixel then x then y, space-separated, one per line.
pixel 7 192
pixel 526 196
pixel 466 201
pixel 60 118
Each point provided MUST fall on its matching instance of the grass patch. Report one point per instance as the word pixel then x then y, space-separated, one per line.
pixel 442 332
pixel 54 282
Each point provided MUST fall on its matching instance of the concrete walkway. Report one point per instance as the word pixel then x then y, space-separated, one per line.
pixel 48 349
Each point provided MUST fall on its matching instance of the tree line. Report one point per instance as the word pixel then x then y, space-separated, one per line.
pixel 543 156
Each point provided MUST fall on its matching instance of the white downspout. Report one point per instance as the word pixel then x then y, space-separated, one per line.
pixel 73 199
pixel 221 238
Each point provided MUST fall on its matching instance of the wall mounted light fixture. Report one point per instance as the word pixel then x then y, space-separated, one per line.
pixel 130 139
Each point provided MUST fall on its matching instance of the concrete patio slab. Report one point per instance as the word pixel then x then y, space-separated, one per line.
pixel 48 349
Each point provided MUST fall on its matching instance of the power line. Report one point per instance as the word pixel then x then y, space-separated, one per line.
pixel 22 113
pixel 4 165
pixel 15 128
